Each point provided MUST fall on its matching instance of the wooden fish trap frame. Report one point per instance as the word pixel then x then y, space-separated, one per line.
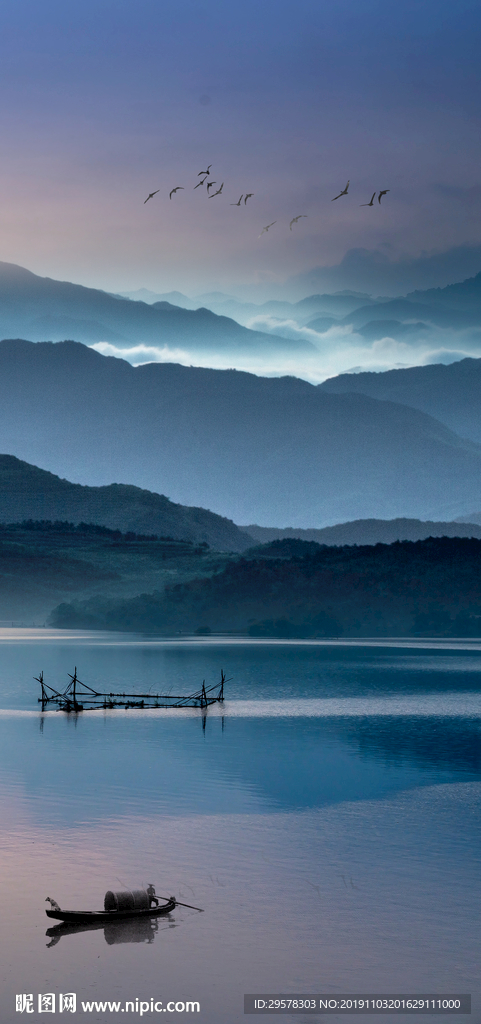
pixel 77 696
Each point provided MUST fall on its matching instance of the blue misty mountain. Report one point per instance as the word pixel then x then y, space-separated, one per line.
pixel 321 323
pixel 275 451
pixel 372 270
pixel 415 317
pixel 377 329
pixel 451 393
pixel 175 298
pixel 27 492
pixel 337 305
pixel 404 310
pixel 457 306
pixel 368 531
pixel 465 295
pixel 40 308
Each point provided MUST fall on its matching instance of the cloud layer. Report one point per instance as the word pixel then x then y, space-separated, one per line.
pixel 340 350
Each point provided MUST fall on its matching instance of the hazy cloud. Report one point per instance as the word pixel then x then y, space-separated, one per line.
pixel 340 350
pixel 290 329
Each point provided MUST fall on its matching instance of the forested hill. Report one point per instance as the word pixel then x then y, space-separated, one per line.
pixel 295 588
pixel 27 492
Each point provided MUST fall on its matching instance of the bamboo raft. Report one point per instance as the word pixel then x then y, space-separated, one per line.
pixel 77 696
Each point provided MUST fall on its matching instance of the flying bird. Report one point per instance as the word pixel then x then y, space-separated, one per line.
pixel 152 194
pixel 210 184
pixel 383 193
pixel 204 172
pixel 200 183
pixel 343 193
pixel 240 200
pixel 267 228
pixel 368 204
pixel 248 196
pixel 295 219
pixel 175 190
pixel 219 190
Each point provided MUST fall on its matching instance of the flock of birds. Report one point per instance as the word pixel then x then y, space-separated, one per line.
pixel 382 193
pixel 204 175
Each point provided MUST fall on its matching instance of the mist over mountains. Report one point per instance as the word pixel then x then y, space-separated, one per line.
pixel 353 330
pixel 341 303
pixel 314 337
pixel 41 309
pixel 369 271
pixel 455 307
pixel 276 451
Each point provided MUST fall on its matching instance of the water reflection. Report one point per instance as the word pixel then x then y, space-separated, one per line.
pixel 191 766
pixel 443 744
pixel 136 930
pixel 334 822
pixel 294 763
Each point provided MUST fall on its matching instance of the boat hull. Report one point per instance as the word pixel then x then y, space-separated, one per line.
pixel 108 916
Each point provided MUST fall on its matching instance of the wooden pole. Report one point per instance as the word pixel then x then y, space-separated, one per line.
pixel 179 904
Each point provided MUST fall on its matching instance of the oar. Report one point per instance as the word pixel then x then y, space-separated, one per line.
pixel 178 903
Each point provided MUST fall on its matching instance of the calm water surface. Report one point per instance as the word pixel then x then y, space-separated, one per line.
pixel 327 818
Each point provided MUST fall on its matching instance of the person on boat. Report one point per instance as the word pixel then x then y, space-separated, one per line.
pixel 151 894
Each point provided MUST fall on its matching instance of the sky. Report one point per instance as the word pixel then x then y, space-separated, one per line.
pixel 102 103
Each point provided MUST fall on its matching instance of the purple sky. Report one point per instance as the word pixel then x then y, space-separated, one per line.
pixel 101 103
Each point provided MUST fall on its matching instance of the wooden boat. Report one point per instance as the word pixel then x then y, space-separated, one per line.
pixel 108 916
pixel 119 906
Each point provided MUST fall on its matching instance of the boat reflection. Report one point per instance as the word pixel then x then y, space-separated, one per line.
pixel 139 929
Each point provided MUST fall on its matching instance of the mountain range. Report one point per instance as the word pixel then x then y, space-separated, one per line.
pixel 40 309
pixel 214 323
pixel 27 492
pixel 416 317
pixel 30 493
pixel 273 450
pixel 351 306
pixel 368 531
pixel 451 393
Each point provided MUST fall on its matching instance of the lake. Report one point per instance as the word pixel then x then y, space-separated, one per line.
pixel 326 818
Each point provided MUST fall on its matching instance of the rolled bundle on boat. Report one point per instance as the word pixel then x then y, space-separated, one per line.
pixel 129 899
